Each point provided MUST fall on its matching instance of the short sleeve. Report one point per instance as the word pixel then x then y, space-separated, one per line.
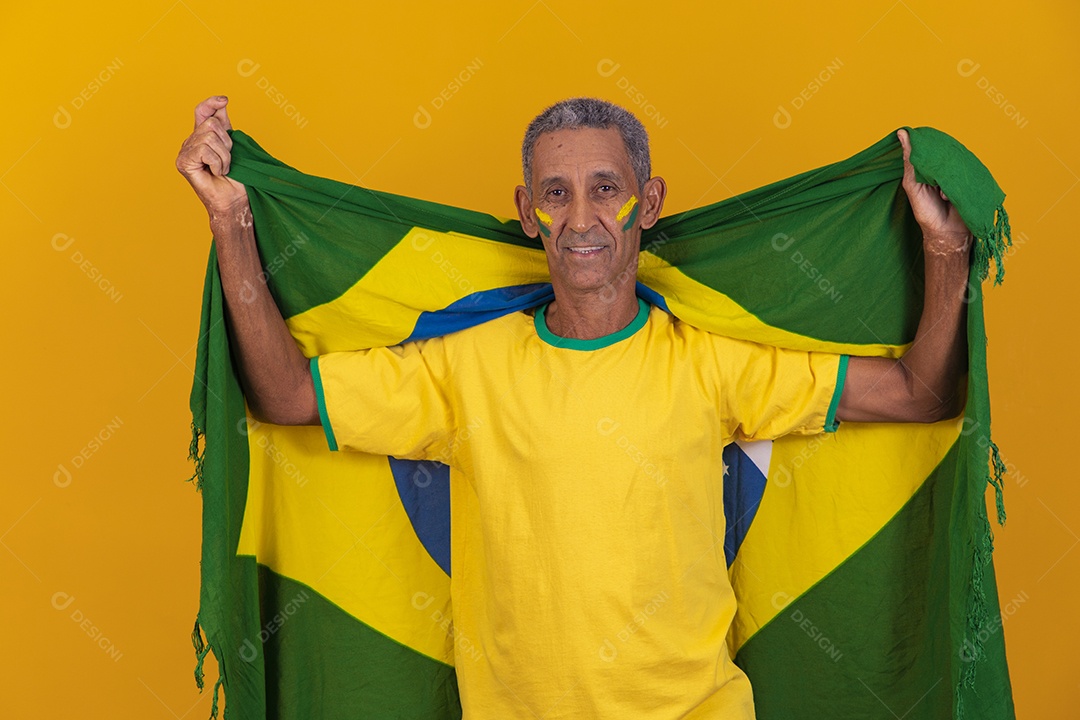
pixel 387 401
pixel 767 392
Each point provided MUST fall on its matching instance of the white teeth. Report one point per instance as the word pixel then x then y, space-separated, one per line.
pixel 585 249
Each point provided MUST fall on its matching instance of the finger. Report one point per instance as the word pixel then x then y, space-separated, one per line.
pixel 208 107
pixel 213 124
pixel 209 138
pixel 206 153
pixel 223 115
pixel 909 169
pixel 211 158
pixel 194 162
pixel 215 144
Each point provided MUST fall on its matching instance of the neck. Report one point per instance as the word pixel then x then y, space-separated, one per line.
pixel 590 315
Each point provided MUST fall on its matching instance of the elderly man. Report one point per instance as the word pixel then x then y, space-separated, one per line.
pixel 570 537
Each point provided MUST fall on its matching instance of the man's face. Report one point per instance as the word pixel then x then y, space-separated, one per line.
pixel 585 205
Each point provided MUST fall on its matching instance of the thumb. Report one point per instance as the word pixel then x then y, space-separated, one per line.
pixel 212 106
pixel 909 169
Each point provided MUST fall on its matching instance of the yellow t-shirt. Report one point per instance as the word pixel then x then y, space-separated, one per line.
pixel 587 531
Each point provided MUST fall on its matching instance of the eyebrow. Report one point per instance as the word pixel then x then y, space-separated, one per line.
pixel 609 175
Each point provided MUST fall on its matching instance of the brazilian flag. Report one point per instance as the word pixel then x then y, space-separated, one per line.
pixel 861 561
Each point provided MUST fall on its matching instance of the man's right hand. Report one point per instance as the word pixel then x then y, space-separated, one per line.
pixel 205 158
pixel 274 374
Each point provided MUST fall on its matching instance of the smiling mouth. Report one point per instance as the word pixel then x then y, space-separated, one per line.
pixel 586 250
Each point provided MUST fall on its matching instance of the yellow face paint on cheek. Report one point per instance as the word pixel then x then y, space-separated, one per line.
pixel 545 221
pixel 628 208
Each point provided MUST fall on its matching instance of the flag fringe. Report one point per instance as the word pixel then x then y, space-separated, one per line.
pixel 978 612
pixel 993 246
pixel 214 700
pixel 997 478
pixel 197 453
pixel 202 649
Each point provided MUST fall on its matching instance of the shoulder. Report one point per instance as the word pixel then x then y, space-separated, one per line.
pixel 666 332
pixel 700 341
pixel 504 327
pixel 665 322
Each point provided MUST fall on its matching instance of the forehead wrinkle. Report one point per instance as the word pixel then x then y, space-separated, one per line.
pixel 606 174
pixel 552 180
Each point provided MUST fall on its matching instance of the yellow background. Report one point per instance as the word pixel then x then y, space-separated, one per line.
pixel 89 169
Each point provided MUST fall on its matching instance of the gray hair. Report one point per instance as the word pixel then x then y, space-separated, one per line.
pixel 584 112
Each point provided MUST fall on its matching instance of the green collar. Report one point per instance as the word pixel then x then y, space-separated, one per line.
pixel 596 343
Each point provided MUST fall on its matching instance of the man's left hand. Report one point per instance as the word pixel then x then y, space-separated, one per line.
pixel 944 231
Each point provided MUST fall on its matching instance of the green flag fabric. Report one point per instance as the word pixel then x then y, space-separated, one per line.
pixel 861 563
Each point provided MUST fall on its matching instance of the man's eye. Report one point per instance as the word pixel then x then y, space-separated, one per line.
pixel 553 192
pixel 606 188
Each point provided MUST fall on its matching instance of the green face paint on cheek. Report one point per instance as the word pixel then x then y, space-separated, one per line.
pixel 545 222
pixel 628 211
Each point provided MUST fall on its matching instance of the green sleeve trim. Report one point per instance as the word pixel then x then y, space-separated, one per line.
pixel 831 423
pixel 321 399
pixel 554 340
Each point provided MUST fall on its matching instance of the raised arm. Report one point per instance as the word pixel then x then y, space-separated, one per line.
pixel 926 384
pixel 273 372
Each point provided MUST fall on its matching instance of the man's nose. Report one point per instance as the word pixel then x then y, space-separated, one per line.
pixel 582 215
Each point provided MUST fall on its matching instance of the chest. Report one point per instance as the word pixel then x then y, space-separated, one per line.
pixel 629 438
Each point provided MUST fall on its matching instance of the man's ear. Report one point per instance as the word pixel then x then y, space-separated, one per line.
pixel 525 211
pixel 652 201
